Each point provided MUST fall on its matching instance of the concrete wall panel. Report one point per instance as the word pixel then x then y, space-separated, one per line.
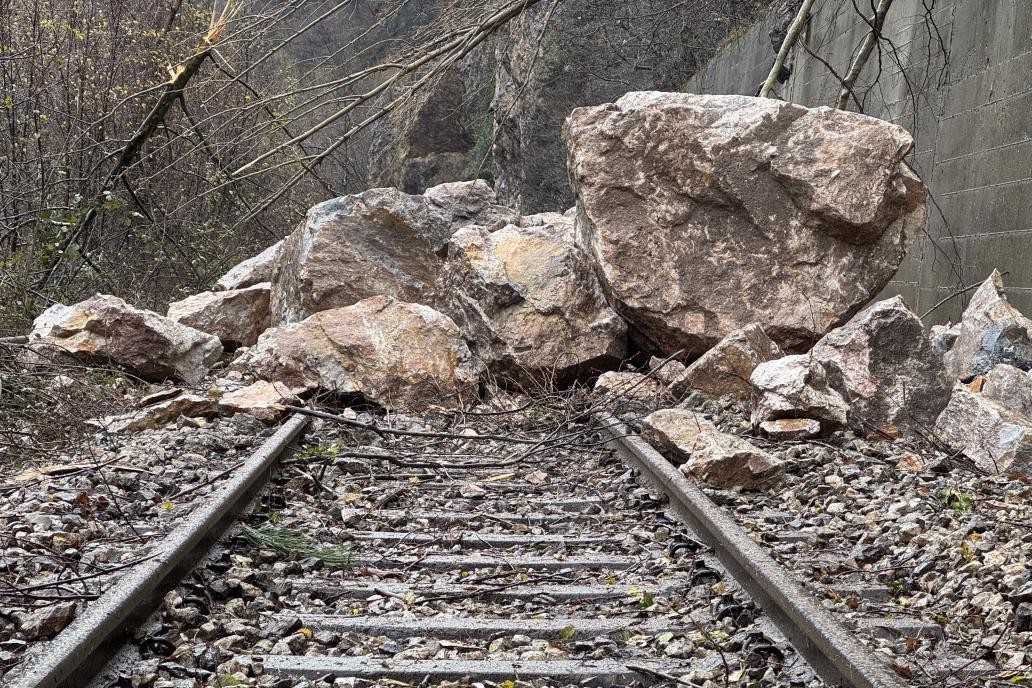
pixel 963 87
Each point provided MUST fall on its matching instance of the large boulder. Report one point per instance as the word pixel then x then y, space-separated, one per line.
pixel 706 453
pixel 252 271
pixel 236 316
pixel 381 241
pixel 991 331
pixel 529 302
pixel 396 354
pixel 997 439
pixel 796 387
pixel 883 364
pixel 703 214
pixel 726 368
pixel 105 330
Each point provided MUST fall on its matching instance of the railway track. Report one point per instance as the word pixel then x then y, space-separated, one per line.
pixel 585 560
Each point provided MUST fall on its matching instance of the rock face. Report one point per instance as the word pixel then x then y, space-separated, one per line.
pixel 629 385
pixel 105 330
pixel 252 271
pixel 236 316
pixel 991 331
pixel 726 368
pixel 706 453
pixel 797 387
pixel 433 137
pixel 396 354
pixel 883 364
pixel 381 241
pixel 997 439
pixel 554 58
pixel 529 303
pixel 703 214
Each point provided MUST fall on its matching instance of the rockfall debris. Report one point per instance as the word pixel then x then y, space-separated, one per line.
pixel 740 240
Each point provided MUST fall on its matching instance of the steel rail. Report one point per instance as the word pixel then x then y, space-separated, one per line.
pixel 84 647
pixel 833 652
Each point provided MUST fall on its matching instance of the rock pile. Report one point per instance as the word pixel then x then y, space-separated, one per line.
pixel 721 232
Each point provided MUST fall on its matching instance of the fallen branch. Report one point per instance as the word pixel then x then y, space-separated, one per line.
pixel 849 82
pixel 786 47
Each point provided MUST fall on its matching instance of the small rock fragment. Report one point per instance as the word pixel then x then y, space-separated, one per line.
pixel 670 374
pixel 791 428
pixel 472 491
pixel 911 463
pixel 628 385
pixel 706 453
pixel 1023 618
pixel 264 400
pixel 797 387
pixel 537 478
pixel 156 415
pixel 48 621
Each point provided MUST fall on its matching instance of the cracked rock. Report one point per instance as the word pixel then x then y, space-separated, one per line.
pixel 991 331
pixel 797 387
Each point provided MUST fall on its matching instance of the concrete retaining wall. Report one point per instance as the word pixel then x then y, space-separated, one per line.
pixel 962 87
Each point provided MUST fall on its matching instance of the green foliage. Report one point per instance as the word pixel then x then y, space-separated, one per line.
pixel 322 451
pixel 955 499
pixel 295 543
